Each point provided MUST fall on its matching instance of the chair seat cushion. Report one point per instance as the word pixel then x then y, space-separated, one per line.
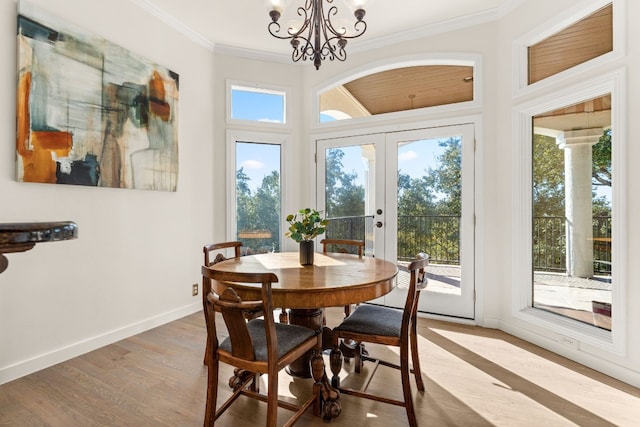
pixel 373 320
pixel 288 336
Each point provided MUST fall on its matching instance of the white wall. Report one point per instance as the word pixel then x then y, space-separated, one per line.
pixel 264 74
pixel 138 252
pixel 495 191
pixel 140 256
pixel 531 16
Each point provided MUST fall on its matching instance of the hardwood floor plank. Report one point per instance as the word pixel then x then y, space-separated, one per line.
pixel 473 377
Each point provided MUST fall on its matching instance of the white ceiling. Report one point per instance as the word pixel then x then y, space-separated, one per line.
pixel 243 23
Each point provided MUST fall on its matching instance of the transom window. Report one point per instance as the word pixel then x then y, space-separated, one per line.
pixel 258 104
pixel 588 38
pixel 399 89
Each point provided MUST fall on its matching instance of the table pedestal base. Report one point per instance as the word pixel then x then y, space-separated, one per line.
pixel 309 318
pixel 311 365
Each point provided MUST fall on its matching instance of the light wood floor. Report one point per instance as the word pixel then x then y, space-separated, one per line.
pixel 473 377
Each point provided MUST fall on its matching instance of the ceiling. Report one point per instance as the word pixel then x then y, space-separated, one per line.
pixel 243 23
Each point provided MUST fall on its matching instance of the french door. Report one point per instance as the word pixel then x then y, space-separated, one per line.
pixel 410 192
pixel 351 189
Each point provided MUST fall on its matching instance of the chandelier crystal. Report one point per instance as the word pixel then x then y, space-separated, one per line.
pixel 318 37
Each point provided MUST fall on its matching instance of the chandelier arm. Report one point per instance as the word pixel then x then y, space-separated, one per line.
pixel 343 34
pixel 304 14
pixel 322 40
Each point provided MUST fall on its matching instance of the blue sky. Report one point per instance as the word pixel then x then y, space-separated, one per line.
pixel 259 160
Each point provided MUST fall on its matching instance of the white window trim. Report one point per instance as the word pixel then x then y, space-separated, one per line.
pixel 258 87
pixel 460 108
pixel 234 136
pixel 520 46
pixel 570 332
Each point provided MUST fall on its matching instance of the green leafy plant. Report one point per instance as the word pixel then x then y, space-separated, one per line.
pixel 306 224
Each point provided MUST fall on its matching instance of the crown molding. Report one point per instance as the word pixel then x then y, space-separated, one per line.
pixel 429 30
pixel 242 52
pixel 442 27
pixel 172 22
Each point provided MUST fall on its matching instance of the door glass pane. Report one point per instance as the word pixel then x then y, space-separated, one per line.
pixel 572 208
pixel 430 208
pixel 258 196
pixel 349 193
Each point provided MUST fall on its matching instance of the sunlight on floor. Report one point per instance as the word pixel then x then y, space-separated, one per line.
pixel 500 379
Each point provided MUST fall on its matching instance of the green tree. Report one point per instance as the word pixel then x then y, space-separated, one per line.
pixel 602 160
pixel 446 180
pixel 245 202
pixel 414 195
pixel 548 177
pixel 343 196
pixel 429 207
pixel 267 201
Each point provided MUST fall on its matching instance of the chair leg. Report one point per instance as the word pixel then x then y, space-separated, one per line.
pixel 406 386
pixel 255 385
pixel 335 362
pixel 415 358
pixel 284 316
pixel 357 360
pixel 212 393
pixel 207 356
pixel 347 310
pixel 272 399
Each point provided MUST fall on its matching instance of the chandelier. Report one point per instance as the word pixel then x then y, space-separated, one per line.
pixel 318 37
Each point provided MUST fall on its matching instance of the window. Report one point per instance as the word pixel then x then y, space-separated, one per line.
pixel 569 221
pixel 588 38
pixel 257 104
pixel 572 207
pixel 411 86
pixel 569 214
pixel 256 189
pixel 589 35
pixel 258 196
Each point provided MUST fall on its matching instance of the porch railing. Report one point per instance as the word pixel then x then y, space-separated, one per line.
pixel 439 236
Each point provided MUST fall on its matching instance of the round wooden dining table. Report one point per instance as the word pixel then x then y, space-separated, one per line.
pixel 334 279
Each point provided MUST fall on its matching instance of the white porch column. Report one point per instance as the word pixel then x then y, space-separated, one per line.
pixel 369 162
pixel 578 199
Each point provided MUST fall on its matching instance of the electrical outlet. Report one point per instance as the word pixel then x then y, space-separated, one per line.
pixel 194 289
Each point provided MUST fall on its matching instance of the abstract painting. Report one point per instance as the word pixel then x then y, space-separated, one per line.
pixel 90 112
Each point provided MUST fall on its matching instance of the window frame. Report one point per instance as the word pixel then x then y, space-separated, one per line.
pixel 520 56
pixel 565 330
pixel 263 88
pixel 460 108
pixel 234 136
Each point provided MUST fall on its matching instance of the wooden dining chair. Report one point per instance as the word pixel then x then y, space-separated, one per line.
pixel 214 253
pixel 343 246
pixel 256 346
pixel 219 249
pixel 386 326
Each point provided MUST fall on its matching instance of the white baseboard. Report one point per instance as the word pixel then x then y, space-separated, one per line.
pixel 34 364
pixel 615 370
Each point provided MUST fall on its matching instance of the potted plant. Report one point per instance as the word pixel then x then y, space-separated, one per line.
pixel 304 226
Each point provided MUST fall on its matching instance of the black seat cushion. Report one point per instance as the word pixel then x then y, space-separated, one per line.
pixel 288 336
pixel 373 320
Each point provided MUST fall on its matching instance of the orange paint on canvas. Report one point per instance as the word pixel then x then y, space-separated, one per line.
pixel 41 166
pixel 38 163
pixel 157 103
pixel 22 114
